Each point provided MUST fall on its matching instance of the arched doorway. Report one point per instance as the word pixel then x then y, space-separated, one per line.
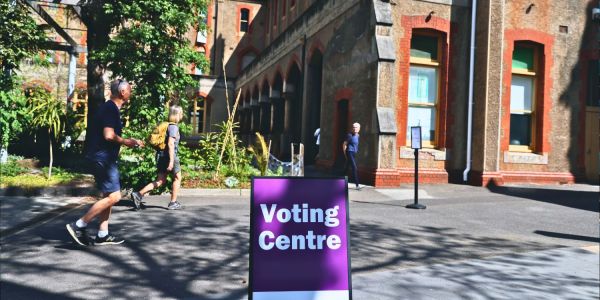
pixel 313 109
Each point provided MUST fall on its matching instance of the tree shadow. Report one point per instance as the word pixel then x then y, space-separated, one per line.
pixel 187 254
pixel 11 290
pixel 532 276
pixel 202 253
pixel 574 94
pixel 447 264
pixel 584 200
pixel 568 236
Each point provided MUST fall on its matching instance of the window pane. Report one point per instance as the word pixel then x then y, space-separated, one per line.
pixel 521 94
pixel 520 129
pixel 201 37
pixel 523 58
pixel 245 13
pixel 244 26
pixel 422 86
pixel 424 117
pixel 423 46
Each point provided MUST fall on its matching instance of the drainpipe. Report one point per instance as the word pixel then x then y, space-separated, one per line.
pixel 470 105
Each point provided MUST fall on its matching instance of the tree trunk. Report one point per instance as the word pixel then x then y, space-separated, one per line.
pixel 51 155
pixel 98 30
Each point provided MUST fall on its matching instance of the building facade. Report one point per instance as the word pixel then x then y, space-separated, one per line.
pixel 299 65
pixel 390 65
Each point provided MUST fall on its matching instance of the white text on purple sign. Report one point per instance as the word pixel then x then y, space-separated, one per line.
pixel 328 217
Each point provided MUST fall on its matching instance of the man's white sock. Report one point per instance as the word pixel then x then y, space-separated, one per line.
pixel 102 233
pixel 80 223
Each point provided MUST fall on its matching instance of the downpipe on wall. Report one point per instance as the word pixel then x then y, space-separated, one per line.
pixel 470 102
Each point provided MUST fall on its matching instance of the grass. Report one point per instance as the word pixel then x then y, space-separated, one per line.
pixel 30 180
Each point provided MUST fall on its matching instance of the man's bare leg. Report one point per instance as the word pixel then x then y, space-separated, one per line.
pixel 101 206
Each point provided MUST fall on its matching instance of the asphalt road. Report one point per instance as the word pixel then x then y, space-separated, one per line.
pixel 201 252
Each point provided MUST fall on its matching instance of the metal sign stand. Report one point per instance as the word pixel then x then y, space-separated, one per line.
pixel 415 138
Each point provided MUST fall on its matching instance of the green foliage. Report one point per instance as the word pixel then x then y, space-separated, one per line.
pixel 261 154
pixel 47 112
pixel 137 165
pixel 210 144
pixel 151 49
pixel 20 38
pixel 74 126
pixel 14 114
pixel 11 167
pixel 190 158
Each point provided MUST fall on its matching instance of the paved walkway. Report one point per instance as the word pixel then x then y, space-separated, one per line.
pixel 566 273
pixel 517 242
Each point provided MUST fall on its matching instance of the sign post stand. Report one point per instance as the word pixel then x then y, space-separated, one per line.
pixel 415 138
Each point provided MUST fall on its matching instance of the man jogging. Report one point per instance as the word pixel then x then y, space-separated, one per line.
pixel 103 143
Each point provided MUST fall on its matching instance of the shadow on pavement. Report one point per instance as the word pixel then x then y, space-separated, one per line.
pixel 585 200
pixel 202 253
pixel 189 254
pixel 10 290
pixel 568 236
pixel 389 248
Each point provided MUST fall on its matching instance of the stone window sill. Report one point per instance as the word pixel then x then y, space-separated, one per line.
pixel 424 153
pixel 525 158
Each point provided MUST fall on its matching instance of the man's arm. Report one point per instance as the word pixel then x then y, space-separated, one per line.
pixel 344 147
pixel 111 136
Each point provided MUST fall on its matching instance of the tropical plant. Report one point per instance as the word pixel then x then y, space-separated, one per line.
pixel 48 113
pixel 261 154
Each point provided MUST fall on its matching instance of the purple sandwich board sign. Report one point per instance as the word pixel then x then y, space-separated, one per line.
pixel 299 241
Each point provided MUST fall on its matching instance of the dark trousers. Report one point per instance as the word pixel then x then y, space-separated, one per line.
pixel 351 161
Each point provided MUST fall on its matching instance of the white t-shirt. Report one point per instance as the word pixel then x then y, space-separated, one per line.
pixel 318 136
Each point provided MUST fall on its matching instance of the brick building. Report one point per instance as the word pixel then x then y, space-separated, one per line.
pixel 390 65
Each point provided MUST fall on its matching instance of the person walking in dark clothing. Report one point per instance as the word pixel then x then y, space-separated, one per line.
pixel 350 148
pixel 103 144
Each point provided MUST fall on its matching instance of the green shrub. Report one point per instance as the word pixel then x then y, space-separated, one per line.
pixel 14 115
pixel 11 167
pixel 137 166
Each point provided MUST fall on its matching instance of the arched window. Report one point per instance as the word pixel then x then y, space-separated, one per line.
pixel 244 20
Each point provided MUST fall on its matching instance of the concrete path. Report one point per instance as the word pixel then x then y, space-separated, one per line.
pixel 565 273
pixel 518 242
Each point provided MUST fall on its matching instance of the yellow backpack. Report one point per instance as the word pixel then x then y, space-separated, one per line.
pixel 158 138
